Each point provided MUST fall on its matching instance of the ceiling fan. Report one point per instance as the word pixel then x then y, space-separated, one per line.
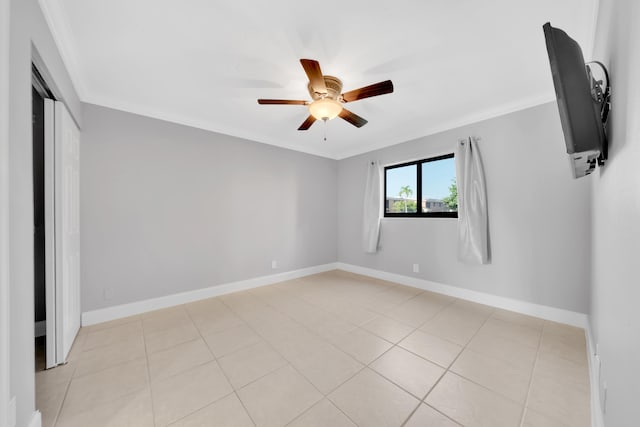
pixel 327 97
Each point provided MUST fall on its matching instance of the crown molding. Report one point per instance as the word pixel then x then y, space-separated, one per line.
pixel 54 15
pixel 211 127
pixel 487 114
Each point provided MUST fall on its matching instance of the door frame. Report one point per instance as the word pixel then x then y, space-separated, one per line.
pixel 52 338
pixel 55 112
pixel 4 212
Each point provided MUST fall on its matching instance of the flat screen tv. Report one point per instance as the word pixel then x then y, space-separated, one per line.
pixel 582 101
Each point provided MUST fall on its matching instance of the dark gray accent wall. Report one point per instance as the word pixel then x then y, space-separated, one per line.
pixel 539 217
pixel 167 208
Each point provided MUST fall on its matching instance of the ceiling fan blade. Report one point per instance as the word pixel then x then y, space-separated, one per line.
pixel 307 123
pixel 281 101
pixel 352 118
pixel 368 91
pixel 312 68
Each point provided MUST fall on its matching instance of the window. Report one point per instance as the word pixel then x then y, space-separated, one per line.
pixel 424 188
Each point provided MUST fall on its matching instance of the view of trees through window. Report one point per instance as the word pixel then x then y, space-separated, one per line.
pixel 423 188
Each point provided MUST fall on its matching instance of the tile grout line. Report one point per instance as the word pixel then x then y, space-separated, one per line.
pixel 396 345
pixel 365 366
pixel 67 385
pixel 219 367
pixel 102 347
pixel 66 391
pixel 448 369
pixel 533 369
pixel 146 355
pixel 275 350
pixel 278 301
pixel 72 377
pixel 324 396
pixel 288 361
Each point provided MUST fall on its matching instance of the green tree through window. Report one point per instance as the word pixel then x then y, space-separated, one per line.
pixel 423 188
pixel 452 199
pixel 405 191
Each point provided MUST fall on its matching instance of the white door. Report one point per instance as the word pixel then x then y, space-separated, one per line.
pixel 49 227
pixel 67 230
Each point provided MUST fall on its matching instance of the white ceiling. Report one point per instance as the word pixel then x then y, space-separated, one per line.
pixel 204 63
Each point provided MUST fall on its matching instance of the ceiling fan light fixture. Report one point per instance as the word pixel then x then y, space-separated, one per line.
pixel 325 108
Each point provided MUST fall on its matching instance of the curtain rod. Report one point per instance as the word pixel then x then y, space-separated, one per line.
pixel 475 138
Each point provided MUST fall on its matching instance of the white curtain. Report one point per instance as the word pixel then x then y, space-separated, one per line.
pixel 473 241
pixel 372 209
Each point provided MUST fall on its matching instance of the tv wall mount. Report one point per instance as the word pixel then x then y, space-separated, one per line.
pixel 601 94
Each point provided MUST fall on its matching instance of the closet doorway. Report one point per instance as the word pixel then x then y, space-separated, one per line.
pixel 56 167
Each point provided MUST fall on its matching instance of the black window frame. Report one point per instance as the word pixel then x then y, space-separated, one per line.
pixel 418 213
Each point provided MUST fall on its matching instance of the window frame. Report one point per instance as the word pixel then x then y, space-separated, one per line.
pixel 418 213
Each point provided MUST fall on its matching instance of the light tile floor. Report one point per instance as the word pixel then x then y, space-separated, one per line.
pixel 334 349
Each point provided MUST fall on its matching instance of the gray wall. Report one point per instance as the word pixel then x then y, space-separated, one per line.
pixel 615 317
pixel 29 38
pixel 539 217
pixel 167 208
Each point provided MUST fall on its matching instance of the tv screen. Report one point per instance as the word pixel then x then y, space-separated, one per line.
pixel 580 113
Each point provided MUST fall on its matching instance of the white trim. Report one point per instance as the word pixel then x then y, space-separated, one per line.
pixel 49 227
pixel 490 113
pixel 4 212
pixel 247 134
pixel 56 18
pixel 545 312
pixel 36 419
pixel 597 417
pixel 458 122
pixel 53 15
pixel 138 307
pixel 542 311
pixel 40 329
pixel 593 29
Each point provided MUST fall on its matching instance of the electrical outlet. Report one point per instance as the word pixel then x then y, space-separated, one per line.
pixel 107 293
pixel 416 268
pixel 597 349
pixel 603 397
pixel 274 264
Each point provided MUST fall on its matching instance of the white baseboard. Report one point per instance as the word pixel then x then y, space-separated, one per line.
pixel 36 419
pixel 545 312
pixel 40 328
pixel 139 307
pixel 572 318
pixel 597 417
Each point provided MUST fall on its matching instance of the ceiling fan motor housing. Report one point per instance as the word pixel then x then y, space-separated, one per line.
pixel 334 88
pixel 327 98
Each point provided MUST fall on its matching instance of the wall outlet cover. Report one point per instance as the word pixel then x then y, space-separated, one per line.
pixel 274 264
pixel 416 268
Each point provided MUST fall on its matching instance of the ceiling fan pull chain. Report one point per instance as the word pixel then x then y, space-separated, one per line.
pixel 325 128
